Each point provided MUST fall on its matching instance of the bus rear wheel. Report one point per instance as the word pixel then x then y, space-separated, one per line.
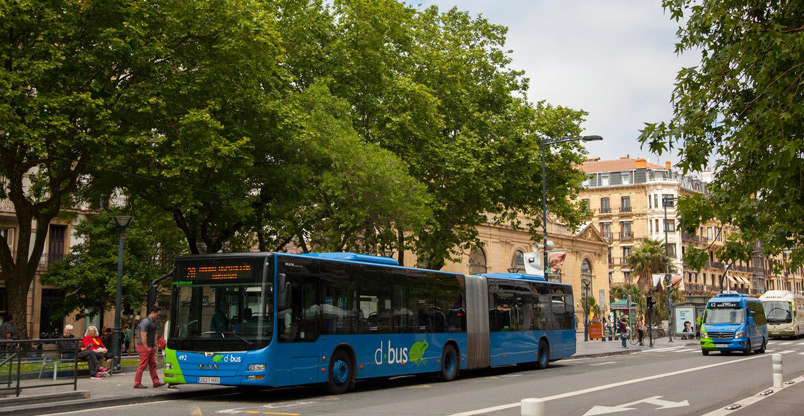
pixel 449 363
pixel 340 373
pixel 543 356
pixel 764 345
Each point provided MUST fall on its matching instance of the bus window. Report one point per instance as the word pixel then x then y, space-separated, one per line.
pixel 339 308
pixel 375 305
pixel 420 305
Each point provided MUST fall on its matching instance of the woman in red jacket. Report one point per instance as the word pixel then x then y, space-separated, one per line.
pixel 93 342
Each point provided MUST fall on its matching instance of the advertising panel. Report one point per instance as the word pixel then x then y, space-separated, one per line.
pixel 684 320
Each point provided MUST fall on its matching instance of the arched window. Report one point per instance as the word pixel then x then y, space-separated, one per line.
pixel 477 261
pixel 586 273
pixel 518 261
pixel 586 270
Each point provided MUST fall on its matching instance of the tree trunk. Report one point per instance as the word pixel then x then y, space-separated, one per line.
pixel 401 246
pixel 17 285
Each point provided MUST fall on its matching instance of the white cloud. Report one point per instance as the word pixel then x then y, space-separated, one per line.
pixel 613 58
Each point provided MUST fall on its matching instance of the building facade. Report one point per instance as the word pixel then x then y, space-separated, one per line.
pixel 584 253
pixel 630 200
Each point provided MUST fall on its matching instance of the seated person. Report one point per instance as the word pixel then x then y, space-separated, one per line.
pixel 68 350
pixel 92 342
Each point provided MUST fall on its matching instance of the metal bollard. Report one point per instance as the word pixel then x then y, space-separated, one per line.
pixel 778 376
pixel 532 407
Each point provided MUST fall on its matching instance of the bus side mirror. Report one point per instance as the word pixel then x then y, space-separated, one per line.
pixel 699 321
pixel 283 291
pixel 750 320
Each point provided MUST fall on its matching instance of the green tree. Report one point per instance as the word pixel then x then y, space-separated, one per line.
pixel 66 67
pixel 88 274
pixel 349 195
pixel 214 89
pixel 742 108
pixel 624 290
pixel 437 90
pixel 645 260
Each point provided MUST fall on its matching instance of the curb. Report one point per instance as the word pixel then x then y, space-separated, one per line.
pixel 86 404
pixel 626 351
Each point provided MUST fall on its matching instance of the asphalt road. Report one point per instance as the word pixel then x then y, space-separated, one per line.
pixel 661 382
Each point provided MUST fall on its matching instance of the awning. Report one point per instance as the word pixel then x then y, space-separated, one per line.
pixel 745 280
pixel 733 280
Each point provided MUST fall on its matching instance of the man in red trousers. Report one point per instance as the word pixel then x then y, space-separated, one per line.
pixel 146 348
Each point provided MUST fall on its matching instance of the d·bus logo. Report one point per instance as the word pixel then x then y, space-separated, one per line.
pixel 391 355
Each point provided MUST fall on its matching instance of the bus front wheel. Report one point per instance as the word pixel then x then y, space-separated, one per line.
pixel 340 372
pixel 764 345
pixel 747 350
pixel 449 363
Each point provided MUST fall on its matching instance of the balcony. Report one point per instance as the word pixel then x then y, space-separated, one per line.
pixel 626 235
pixel 604 211
pixel 625 209
pixel 691 238
pixel 618 261
pixel 694 287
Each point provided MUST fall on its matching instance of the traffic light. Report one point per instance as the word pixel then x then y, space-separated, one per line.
pixel 650 302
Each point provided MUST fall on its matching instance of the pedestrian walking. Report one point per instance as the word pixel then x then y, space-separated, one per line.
pixel 622 329
pixel 641 331
pixel 604 328
pixel 146 348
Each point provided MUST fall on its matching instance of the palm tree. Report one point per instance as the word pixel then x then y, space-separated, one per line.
pixel 645 260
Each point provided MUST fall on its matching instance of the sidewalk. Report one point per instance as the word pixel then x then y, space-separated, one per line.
pixel 109 391
pixel 598 348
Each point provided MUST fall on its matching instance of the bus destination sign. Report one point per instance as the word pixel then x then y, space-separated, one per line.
pixel 219 272
pixel 723 305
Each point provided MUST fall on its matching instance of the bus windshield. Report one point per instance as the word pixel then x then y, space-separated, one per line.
pixel 725 315
pixel 221 306
pixel 778 312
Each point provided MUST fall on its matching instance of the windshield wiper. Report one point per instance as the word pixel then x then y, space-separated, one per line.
pixel 236 336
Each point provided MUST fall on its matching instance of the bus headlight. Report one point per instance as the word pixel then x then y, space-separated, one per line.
pixel 739 334
pixel 704 334
pixel 256 367
pixel 168 366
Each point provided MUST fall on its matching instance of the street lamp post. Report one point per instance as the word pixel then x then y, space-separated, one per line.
pixel 546 142
pixel 665 202
pixel 586 283
pixel 122 222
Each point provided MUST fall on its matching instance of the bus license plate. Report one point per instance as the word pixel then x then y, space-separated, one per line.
pixel 209 380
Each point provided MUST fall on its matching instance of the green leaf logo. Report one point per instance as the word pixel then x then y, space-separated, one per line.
pixel 217 358
pixel 417 352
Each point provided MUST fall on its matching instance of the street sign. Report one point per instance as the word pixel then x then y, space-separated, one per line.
pixel 655 401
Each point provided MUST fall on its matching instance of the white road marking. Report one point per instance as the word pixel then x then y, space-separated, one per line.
pixel 785 343
pixel 658 350
pixel 786 352
pixel 609 386
pixel 800 343
pixel 687 350
pixel 655 400
pixel 753 399
pixel 606 363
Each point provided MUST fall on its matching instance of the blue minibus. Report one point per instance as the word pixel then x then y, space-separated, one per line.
pixel 734 322
pixel 276 319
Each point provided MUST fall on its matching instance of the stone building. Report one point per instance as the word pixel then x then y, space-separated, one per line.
pixel 625 198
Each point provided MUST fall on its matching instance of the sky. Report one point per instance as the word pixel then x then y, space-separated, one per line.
pixel 615 59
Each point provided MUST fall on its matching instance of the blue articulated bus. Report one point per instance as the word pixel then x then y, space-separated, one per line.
pixel 275 319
